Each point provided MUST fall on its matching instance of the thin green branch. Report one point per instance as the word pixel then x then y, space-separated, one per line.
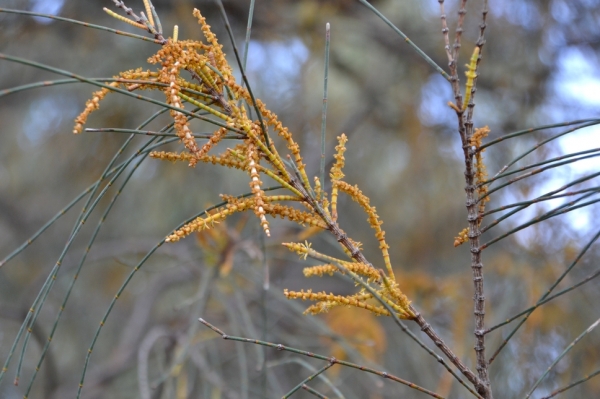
pixel 78 226
pixel 548 299
pixel 548 194
pixel 537 200
pixel 538 145
pixel 58 82
pixel 324 112
pixel 536 129
pixel 142 154
pixel 584 379
pixel 81 263
pixel 560 210
pixel 85 212
pixel 534 172
pixel 263 308
pixel 545 297
pixel 314 392
pixel 115 89
pixel 130 277
pixel 311 368
pixel 87 25
pixel 49 223
pixel 307 379
pixel 407 40
pixel 567 349
pixel 248 32
pixel 547 161
pixel 153 133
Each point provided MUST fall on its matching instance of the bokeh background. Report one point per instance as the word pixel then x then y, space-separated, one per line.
pixel 539 66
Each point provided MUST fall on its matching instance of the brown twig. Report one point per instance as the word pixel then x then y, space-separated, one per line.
pixel 466 132
pixel 331 360
pixel 453 56
pixel 451 60
pixel 462 11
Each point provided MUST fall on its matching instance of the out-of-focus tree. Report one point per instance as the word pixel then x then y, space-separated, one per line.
pixel 538 67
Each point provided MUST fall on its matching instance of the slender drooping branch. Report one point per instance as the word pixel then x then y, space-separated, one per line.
pixel 331 360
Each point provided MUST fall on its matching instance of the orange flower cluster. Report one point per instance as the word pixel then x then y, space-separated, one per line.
pixel 214 91
pixel 480 178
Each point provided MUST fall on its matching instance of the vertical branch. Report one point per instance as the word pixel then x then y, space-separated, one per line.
pixel 451 60
pixel 324 115
pixel 459 29
pixel 248 31
pixel 477 269
pixel 263 306
pixel 466 130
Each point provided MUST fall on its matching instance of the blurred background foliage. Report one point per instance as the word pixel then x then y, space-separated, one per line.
pixel 539 66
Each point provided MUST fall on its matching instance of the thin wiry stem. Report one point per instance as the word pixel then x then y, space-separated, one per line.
pixel 483 24
pixel 525 204
pixel 587 377
pixel 309 367
pixel 445 31
pixel 115 89
pixel 547 161
pixel 462 11
pixel 87 25
pixel 47 83
pixel 142 153
pixel 548 194
pixel 567 349
pixel 49 223
pixel 537 171
pixel 407 40
pixel 535 147
pixel 560 210
pixel 324 112
pixel 153 133
pixel 454 80
pixel 80 266
pixel 566 208
pixel 248 31
pixel 264 312
pixel 42 296
pixel 130 277
pixel 545 298
pixel 307 379
pixel 313 392
pixel 333 360
pixel 537 129
pixel 58 82
pixel 548 299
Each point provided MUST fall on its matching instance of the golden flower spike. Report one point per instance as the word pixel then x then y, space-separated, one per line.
pixel 471 75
